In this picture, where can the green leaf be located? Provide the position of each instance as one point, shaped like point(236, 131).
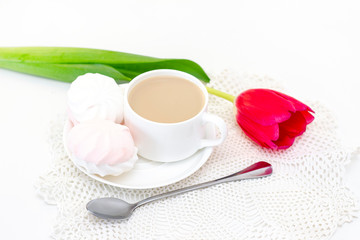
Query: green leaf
point(132, 70)
point(69, 55)
point(64, 72)
point(128, 64)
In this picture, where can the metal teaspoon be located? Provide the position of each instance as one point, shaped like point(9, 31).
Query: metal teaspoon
point(114, 208)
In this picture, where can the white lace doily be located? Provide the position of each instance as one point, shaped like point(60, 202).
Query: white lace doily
point(305, 198)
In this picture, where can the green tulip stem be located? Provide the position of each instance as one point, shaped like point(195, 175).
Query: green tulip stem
point(221, 94)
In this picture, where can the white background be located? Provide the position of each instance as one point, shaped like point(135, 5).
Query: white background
point(310, 46)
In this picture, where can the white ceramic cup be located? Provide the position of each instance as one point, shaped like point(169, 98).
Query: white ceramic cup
point(169, 142)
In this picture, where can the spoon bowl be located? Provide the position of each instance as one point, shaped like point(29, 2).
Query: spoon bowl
point(110, 208)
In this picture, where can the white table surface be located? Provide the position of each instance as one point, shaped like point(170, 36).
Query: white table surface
point(310, 46)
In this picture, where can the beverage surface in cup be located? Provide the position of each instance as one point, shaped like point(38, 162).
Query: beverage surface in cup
point(166, 99)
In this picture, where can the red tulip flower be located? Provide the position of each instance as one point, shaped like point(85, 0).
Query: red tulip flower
point(270, 118)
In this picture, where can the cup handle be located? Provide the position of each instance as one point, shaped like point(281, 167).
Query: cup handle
point(211, 118)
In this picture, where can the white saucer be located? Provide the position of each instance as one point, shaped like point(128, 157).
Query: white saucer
point(151, 174)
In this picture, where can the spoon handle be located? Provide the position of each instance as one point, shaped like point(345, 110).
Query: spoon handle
point(257, 170)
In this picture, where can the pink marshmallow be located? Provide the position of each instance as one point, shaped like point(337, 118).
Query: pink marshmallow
point(101, 142)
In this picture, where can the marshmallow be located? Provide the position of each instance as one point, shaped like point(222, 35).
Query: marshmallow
point(102, 147)
point(95, 96)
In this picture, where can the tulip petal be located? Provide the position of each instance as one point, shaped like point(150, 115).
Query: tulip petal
point(308, 116)
point(270, 132)
point(284, 142)
point(299, 106)
point(272, 146)
point(293, 127)
point(264, 106)
point(260, 134)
